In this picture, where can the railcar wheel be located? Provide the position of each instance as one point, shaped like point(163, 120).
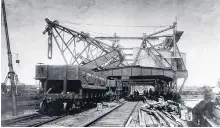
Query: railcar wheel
point(43, 107)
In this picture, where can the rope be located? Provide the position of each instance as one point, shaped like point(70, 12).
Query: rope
point(114, 25)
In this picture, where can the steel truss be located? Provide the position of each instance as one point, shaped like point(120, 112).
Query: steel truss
point(81, 49)
point(154, 51)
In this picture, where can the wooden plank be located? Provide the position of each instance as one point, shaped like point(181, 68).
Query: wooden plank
point(147, 120)
point(140, 118)
point(156, 123)
point(160, 120)
point(176, 119)
point(166, 119)
point(168, 115)
point(211, 122)
point(183, 123)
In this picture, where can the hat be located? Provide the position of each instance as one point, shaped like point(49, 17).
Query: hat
point(209, 95)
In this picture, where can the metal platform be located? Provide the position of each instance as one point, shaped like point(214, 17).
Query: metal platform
point(139, 72)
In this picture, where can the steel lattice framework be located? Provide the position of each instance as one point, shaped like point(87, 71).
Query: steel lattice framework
point(174, 61)
point(82, 49)
point(79, 48)
point(154, 51)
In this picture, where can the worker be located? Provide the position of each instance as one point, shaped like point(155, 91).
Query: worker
point(156, 95)
point(146, 94)
point(110, 96)
point(177, 97)
point(150, 94)
point(203, 108)
point(144, 99)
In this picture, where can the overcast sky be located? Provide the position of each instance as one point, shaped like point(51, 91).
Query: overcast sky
point(199, 19)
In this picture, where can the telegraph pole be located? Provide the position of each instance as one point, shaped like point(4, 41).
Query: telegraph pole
point(11, 70)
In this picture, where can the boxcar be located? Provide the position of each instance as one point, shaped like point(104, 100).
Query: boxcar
point(69, 87)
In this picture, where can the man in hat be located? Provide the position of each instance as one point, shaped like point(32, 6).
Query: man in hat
point(203, 107)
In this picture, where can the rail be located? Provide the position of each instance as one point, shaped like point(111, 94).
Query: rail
point(130, 116)
point(124, 123)
point(95, 120)
point(32, 120)
point(45, 121)
point(19, 118)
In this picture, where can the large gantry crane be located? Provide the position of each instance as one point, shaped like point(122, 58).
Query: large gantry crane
point(82, 49)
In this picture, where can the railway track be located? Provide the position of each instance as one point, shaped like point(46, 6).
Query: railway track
point(32, 120)
point(37, 119)
point(117, 117)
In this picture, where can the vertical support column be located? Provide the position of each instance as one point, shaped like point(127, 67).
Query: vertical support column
point(182, 85)
point(109, 85)
point(117, 89)
point(64, 86)
point(175, 84)
point(65, 80)
point(121, 89)
point(174, 38)
point(156, 89)
point(174, 54)
point(144, 41)
point(45, 86)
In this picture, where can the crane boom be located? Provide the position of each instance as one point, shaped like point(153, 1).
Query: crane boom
point(81, 48)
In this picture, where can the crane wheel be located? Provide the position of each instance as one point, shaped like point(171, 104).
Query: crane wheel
point(43, 107)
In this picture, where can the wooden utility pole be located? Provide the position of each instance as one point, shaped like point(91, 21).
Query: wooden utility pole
point(11, 70)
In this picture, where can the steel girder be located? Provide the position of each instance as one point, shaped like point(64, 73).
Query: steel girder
point(128, 72)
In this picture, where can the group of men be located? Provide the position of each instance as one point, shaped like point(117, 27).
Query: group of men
point(136, 93)
point(203, 108)
point(169, 95)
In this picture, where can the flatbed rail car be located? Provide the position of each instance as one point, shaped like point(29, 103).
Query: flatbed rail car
point(69, 87)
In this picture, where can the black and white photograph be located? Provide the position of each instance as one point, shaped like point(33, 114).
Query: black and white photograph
point(110, 63)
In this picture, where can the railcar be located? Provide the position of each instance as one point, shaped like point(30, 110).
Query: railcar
point(69, 87)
